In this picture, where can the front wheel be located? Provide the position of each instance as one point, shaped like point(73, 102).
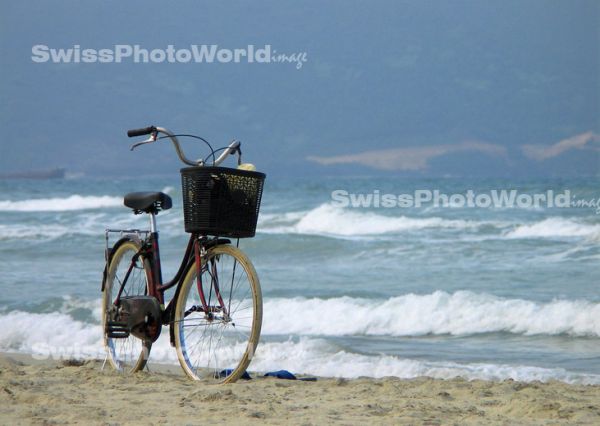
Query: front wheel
point(218, 318)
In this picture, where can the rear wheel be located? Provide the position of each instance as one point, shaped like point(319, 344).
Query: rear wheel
point(216, 344)
point(126, 354)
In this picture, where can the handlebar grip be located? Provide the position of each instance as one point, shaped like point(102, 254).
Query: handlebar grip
point(140, 132)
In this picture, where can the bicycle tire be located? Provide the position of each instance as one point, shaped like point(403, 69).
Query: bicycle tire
point(218, 346)
point(130, 354)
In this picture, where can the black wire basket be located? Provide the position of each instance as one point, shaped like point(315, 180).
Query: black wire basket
point(221, 201)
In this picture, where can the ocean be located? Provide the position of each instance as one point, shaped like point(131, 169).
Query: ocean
point(480, 292)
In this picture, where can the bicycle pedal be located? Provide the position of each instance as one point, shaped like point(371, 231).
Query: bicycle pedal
point(117, 330)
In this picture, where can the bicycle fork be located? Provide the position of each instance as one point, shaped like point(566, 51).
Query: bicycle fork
point(210, 266)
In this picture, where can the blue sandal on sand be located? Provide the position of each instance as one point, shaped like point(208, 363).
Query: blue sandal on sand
point(284, 374)
point(280, 374)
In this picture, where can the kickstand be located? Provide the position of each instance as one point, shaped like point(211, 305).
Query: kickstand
point(104, 363)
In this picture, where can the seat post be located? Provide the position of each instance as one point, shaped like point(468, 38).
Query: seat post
point(153, 227)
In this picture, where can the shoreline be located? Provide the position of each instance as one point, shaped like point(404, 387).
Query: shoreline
point(50, 391)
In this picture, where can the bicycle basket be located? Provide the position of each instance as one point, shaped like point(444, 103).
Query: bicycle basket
point(221, 201)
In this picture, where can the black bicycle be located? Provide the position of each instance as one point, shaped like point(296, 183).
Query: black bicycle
point(215, 315)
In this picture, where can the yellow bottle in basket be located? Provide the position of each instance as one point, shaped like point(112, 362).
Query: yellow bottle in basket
point(247, 166)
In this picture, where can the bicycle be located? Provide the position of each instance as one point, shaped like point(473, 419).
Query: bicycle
point(214, 316)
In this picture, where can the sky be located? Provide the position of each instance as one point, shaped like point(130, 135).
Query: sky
point(435, 88)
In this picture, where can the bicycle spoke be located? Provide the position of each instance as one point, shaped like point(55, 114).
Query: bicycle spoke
point(218, 337)
point(126, 354)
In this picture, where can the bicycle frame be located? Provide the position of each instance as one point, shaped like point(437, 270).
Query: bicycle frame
point(196, 249)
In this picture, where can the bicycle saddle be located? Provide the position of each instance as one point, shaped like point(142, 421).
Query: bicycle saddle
point(148, 202)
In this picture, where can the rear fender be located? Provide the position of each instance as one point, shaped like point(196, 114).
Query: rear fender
point(110, 252)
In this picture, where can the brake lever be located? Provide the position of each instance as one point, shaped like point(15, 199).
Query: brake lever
point(239, 153)
point(151, 139)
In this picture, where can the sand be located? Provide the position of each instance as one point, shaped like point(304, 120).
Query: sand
point(55, 392)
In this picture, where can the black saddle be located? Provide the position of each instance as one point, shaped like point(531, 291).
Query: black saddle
point(148, 202)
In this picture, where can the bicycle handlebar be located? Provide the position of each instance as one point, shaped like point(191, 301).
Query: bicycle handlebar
point(153, 131)
point(140, 132)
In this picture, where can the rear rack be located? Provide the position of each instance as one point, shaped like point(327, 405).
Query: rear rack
point(141, 234)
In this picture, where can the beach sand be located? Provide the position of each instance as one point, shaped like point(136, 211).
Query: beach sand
point(55, 392)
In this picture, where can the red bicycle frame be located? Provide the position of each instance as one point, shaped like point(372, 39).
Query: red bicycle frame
point(196, 248)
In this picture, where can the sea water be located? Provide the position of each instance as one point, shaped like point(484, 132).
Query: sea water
point(443, 291)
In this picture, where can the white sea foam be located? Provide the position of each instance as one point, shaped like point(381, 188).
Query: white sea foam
point(12, 232)
point(58, 336)
point(88, 223)
point(461, 313)
point(320, 358)
point(73, 202)
point(555, 227)
point(327, 219)
point(28, 332)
